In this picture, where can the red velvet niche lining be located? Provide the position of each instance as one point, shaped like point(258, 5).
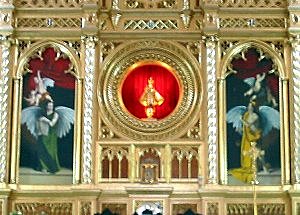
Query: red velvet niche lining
point(164, 82)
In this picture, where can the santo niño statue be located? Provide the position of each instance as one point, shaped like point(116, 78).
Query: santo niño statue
point(150, 98)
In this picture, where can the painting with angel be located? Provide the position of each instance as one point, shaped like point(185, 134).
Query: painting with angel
point(47, 120)
point(253, 117)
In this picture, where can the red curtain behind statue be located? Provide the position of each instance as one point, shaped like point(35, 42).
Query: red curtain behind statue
point(164, 82)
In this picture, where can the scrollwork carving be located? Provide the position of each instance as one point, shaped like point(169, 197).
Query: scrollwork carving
point(296, 78)
point(4, 92)
point(239, 208)
point(211, 109)
point(86, 208)
point(212, 208)
point(195, 132)
point(48, 4)
point(226, 45)
point(44, 208)
point(134, 4)
point(90, 43)
point(253, 3)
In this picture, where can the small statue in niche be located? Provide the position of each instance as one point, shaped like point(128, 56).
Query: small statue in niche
point(150, 99)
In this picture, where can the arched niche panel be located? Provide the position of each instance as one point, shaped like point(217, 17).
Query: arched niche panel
point(252, 111)
point(47, 82)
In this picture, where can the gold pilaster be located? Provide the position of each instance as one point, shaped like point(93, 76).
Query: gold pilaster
point(168, 168)
point(132, 166)
point(222, 127)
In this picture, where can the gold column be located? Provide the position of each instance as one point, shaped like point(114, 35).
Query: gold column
point(16, 116)
point(77, 128)
point(286, 143)
point(222, 135)
point(15, 139)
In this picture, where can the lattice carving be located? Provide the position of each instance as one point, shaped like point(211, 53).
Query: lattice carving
point(212, 208)
point(182, 208)
point(230, 22)
point(113, 159)
point(90, 43)
point(253, 3)
point(4, 91)
point(120, 209)
point(185, 155)
point(48, 3)
point(133, 4)
point(296, 79)
point(44, 208)
point(50, 22)
point(86, 208)
point(211, 110)
point(150, 24)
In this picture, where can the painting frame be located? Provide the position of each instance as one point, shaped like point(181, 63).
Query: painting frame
point(222, 74)
point(20, 69)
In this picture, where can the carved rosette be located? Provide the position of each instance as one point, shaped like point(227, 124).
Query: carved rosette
point(211, 110)
point(4, 106)
point(296, 79)
point(88, 106)
point(111, 78)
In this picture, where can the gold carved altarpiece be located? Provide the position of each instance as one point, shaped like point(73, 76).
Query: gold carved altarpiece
point(104, 40)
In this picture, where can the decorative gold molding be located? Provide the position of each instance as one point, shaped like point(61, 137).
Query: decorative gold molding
point(65, 208)
point(48, 4)
point(253, 3)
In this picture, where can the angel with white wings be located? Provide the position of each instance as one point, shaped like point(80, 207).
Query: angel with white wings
point(252, 125)
point(40, 92)
point(258, 91)
point(46, 125)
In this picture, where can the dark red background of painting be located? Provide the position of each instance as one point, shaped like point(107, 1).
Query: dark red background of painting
point(164, 82)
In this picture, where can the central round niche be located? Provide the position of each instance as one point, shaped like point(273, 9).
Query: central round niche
point(162, 81)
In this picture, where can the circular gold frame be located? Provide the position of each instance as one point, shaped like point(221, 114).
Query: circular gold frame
point(115, 69)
